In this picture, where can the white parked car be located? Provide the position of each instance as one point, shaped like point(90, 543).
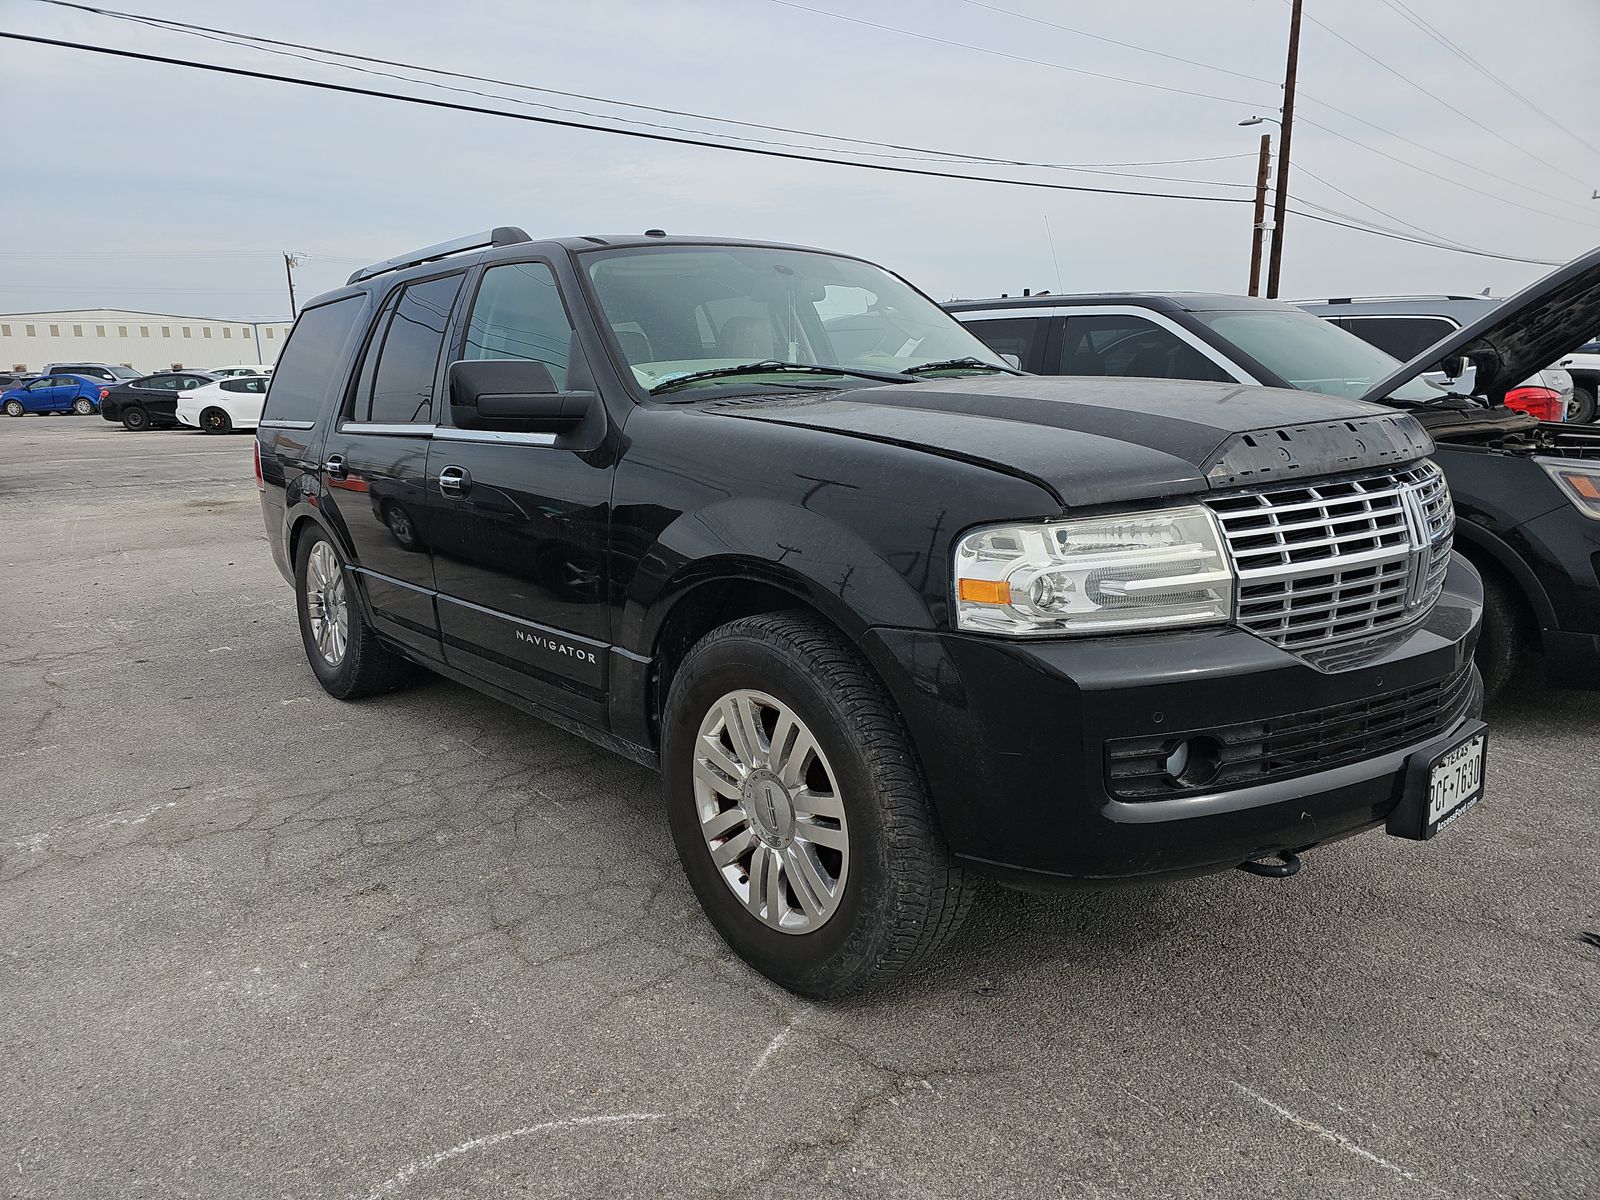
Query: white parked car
point(239, 369)
point(225, 405)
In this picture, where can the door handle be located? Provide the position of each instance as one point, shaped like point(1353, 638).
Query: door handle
point(334, 466)
point(454, 482)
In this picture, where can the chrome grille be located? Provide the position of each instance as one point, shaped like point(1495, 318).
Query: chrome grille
point(1339, 561)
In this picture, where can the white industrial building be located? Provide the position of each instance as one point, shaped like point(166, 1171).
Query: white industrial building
point(147, 342)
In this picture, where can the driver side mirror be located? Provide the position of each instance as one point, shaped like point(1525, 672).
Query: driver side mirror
point(519, 393)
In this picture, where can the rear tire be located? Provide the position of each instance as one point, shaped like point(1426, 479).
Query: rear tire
point(14, 408)
point(345, 654)
point(849, 821)
point(82, 407)
point(1500, 644)
point(1580, 409)
point(135, 419)
point(214, 420)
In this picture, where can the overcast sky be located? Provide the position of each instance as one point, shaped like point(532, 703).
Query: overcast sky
point(144, 186)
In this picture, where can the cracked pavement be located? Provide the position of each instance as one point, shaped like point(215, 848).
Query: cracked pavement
point(258, 943)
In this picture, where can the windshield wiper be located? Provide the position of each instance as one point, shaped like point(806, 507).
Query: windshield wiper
point(769, 366)
point(950, 364)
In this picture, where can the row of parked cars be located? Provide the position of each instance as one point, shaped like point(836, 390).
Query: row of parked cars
point(217, 401)
point(887, 610)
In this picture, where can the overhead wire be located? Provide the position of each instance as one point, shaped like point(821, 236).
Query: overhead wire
point(1476, 168)
point(1435, 96)
point(1493, 77)
point(429, 102)
point(258, 41)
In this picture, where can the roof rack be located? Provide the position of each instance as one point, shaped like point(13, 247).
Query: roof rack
point(1382, 299)
point(500, 235)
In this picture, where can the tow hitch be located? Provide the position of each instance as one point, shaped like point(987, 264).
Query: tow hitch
point(1287, 864)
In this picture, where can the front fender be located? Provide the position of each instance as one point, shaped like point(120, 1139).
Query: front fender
point(816, 558)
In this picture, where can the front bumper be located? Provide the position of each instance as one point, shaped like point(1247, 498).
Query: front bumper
point(1013, 741)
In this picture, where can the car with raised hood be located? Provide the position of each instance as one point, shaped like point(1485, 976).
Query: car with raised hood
point(151, 401)
point(1405, 326)
point(885, 613)
point(1527, 492)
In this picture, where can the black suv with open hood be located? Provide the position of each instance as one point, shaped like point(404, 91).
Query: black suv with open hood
point(1527, 494)
point(884, 612)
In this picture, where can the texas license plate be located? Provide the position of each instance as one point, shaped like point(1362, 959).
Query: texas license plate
point(1441, 785)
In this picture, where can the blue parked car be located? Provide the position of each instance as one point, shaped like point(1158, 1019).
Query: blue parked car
point(54, 394)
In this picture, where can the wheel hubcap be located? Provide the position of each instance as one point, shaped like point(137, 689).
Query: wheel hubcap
point(770, 812)
point(326, 605)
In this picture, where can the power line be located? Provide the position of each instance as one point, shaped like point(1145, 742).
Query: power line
point(1036, 62)
point(562, 123)
point(1498, 80)
point(1413, 84)
point(1476, 168)
point(1301, 169)
point(258, 42)
point(455, 106)
point(1205, 66)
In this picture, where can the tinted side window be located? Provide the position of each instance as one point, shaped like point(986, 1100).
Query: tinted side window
point(311, 360)
point(243, 384)
point(1126, 345)
point(1017, 336)
point(408, 357)
point(518, 314)
point(162, 383)
point(1403, 337)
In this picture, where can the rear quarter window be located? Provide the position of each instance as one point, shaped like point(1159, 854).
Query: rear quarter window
point(312, 364)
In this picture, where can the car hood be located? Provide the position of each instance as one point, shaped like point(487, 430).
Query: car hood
point(1519, 336)
point(1100, 441)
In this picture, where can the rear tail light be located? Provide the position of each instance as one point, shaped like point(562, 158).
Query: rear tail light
point(261, 484)
point(104, 392)
point(1542, 402)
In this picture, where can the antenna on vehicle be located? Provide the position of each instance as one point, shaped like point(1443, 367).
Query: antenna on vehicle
point(1060, 287)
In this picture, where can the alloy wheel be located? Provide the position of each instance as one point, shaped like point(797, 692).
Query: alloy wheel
point(770, 812)
point(326, 604)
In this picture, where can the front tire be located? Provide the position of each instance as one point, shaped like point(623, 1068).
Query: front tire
point(1500, 643)
point(82, 407)
point(1580, 409)
point(135, 419)
point(799, 812)
point(345, 654)
point(214, 420)
point(14, 408)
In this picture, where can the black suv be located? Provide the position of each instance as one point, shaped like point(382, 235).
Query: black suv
point(884, 612)
point(151, 402)
point(1527, 493)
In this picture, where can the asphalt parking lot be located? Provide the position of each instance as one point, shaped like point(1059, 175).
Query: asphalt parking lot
point(255, 942)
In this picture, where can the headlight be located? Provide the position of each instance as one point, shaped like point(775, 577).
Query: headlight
point(1125, 571)
point(1579, 480)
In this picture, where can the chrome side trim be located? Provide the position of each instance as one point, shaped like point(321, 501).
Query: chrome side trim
point(494, 436)
point(393, 430)
point(288, 424)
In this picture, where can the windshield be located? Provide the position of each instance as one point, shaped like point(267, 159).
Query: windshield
point(125, 372)
point(1312, 354)
point(678, 310)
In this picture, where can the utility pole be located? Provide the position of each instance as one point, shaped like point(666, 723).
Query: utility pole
point(291, 261)
point(1280, 201)
point(1259, 230)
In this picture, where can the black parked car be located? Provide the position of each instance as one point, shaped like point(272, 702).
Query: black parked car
point(151, 402)
point(883, 611)
point(1527, 493)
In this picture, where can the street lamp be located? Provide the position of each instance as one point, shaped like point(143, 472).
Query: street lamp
point(1258, 120)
